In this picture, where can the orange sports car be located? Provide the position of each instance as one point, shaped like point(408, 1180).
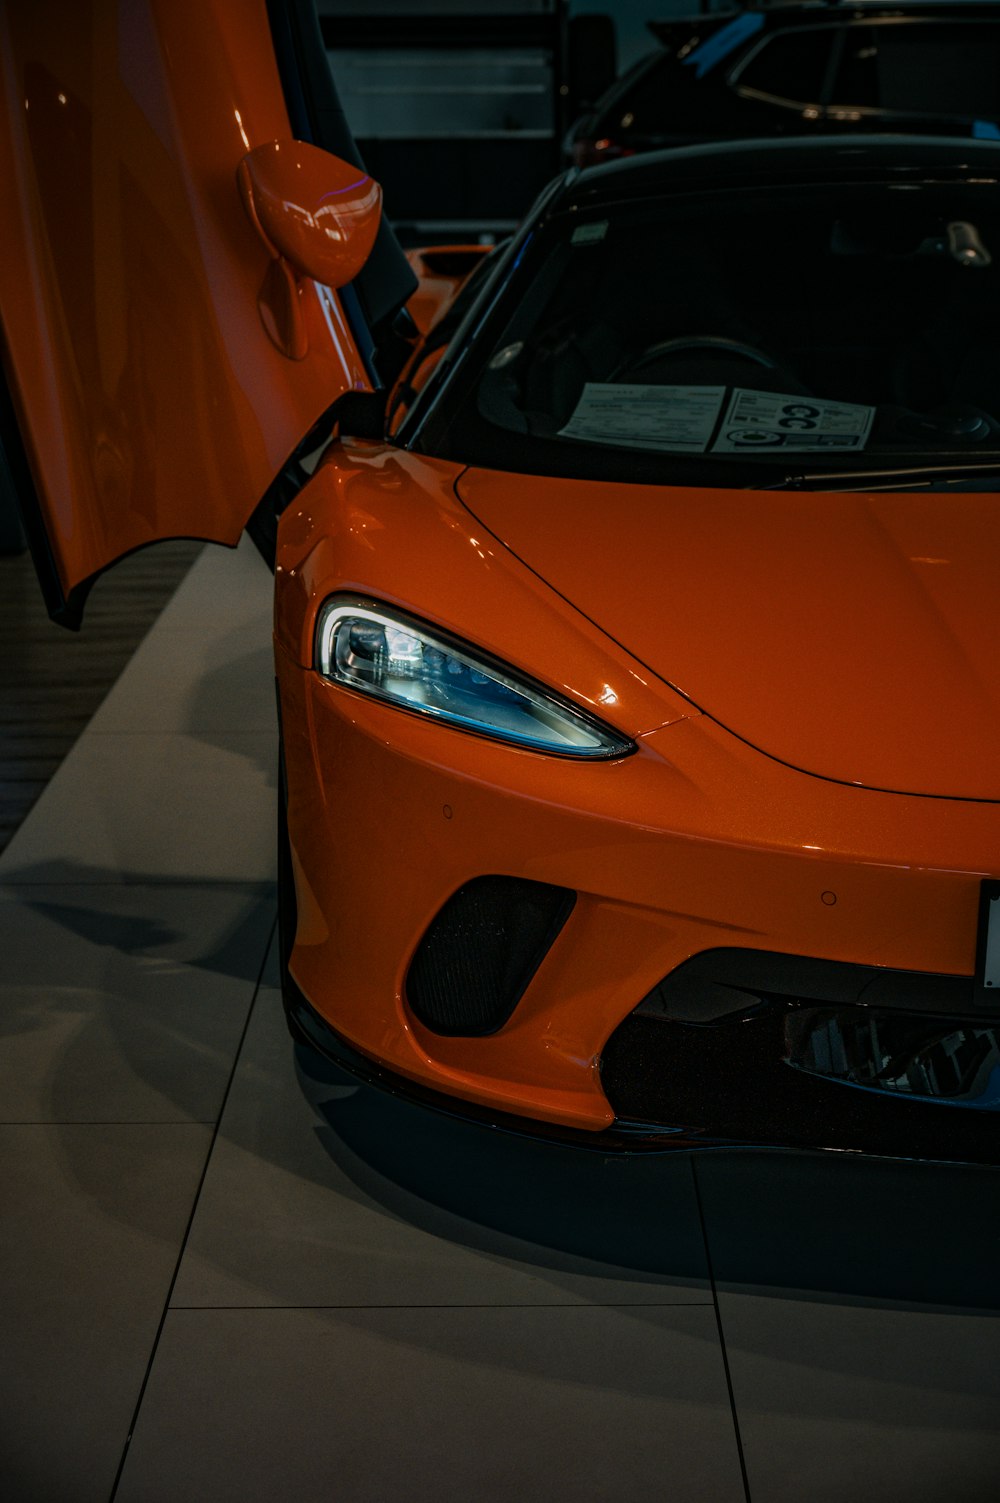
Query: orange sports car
point(635, 589)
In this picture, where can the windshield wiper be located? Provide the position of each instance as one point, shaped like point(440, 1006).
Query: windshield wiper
point(896, 479)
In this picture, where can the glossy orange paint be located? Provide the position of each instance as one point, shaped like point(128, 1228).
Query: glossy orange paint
point(846, 634)
point(318, 212)
point(379, 521)
point(696, 840)
point(150, 399)
point(437, 288)
point(316, 217)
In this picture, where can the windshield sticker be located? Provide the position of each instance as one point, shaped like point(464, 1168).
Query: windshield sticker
point(589, 234)
point(800, 425)
point(676, 419)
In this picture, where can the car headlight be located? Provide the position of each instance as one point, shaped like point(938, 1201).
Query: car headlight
point(383, 653)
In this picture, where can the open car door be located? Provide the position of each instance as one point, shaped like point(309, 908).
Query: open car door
point(170, 332)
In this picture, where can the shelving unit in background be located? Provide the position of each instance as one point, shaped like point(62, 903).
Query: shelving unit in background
point(459, 112)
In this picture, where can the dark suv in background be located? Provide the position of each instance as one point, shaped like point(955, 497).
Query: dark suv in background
point(792, 69)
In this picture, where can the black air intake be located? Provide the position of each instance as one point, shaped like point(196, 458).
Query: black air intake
point(473, 965)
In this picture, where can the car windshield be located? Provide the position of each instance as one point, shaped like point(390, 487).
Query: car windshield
point(729, 339)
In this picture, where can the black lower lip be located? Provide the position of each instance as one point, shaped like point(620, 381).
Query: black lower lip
point(772, 1079)
point(692, 1087)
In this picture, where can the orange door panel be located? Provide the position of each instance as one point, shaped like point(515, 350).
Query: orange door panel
point(149, 399)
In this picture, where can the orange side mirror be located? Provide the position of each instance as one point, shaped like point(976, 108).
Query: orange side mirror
point(317, 216)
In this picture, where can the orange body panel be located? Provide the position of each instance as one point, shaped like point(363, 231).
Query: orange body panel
point(845, 634)
point(151, 401)
point(319, 212)
point(376, 520)
point(697, 840)
point(316, 216)
point(437, 289)
point(811, 694)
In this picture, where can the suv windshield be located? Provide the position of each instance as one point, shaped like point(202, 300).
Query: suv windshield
point(731, 338)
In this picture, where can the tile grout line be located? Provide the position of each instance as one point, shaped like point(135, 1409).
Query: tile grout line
point(675, 1304)
point(17, 892)
point(193, 1212)
point(722, 1338)
point(191, 732)
point(13, 892)
point(114, 1122)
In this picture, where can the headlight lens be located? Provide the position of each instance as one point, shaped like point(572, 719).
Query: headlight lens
point(365, 646)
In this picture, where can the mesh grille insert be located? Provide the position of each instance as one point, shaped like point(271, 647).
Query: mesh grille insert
point(475, 962)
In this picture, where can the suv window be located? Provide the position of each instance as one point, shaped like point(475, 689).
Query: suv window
point(669, 101)
point(921, 68)
point(789, 68)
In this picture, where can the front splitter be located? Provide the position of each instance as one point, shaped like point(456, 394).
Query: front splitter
point(812, 1121)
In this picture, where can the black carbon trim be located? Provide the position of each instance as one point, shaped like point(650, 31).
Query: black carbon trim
point(717, 984)
point(732, 1080)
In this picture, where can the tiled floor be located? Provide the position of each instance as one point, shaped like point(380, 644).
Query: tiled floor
point(52, 680)
point(228, 1272)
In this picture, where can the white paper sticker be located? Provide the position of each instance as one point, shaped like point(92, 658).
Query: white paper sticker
point(676, 419)
point(767, 420)
point(589, 234)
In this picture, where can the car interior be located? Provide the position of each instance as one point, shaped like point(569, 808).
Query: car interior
point(773, 297)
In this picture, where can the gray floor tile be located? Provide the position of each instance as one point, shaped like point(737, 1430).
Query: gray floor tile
point(124, 1003)
point(195, 682)
point(93, 1219)
point(323, 1192)
point(436, 1406)
point(859, 1307)
point(135, 808)
point(840, 1401)
point(228, 589)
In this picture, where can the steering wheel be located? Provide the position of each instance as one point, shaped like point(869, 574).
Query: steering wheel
point(685, 344)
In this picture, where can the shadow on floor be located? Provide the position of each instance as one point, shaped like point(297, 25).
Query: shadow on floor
point(633, 1214)
point(832, 1226)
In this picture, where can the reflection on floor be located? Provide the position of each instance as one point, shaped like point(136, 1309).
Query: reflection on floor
point(228, 1272)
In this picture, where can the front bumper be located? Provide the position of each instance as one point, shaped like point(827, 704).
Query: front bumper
point(741, 1096)
point(694, 843)
point(315, 1032)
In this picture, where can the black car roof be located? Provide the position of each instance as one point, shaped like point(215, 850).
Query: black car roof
point(777, 15)
point(784, 12)
point(719, 164)
point(891, 7)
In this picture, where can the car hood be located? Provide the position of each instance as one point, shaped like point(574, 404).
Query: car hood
point(851, 636)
